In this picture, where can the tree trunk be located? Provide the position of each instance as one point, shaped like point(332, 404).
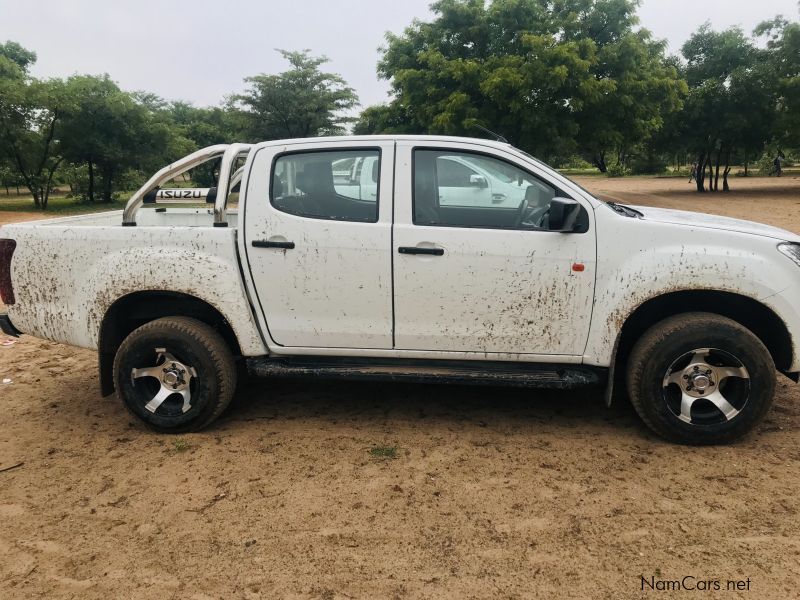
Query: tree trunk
point(599, 160)
point(622, 157)
point(716, 174)
point(745, 162)
point(710, 164)
point(49, 185)
point(725, 186)
point(700, 172)
point(91, 181)
point(32, 178)
point(107, 185)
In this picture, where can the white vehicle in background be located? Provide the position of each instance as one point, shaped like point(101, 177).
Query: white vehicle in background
point(434, 259)
point(357, 177)
point(463, 181)
point(481, 181)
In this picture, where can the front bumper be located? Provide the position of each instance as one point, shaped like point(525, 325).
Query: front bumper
point(7, 326)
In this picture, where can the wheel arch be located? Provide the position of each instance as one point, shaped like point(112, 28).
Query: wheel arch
point(135, 309)
point(750, 313)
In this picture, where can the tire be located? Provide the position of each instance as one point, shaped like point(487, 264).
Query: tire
point(682, 403)
point(175, 374)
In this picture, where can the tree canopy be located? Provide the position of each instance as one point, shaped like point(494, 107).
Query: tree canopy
point(301, 102)
point(112, 133)
point(30, 118)
point(553, 78)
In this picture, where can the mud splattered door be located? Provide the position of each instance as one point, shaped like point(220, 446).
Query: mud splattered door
point(319, 246)
point(489, 278)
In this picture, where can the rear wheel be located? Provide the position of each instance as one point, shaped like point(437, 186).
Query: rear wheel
point(700, 378)
point(176, 374)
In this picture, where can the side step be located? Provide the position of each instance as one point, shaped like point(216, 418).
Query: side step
point(531, 375)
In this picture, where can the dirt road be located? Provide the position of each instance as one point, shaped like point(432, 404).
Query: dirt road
point(297, 493)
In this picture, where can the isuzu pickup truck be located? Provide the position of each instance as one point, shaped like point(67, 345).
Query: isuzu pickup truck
point(342, 260)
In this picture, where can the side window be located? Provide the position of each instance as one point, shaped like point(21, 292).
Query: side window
point(461, 189)
point(327, 185)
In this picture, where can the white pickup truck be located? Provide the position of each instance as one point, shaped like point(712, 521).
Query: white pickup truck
point(316, 275)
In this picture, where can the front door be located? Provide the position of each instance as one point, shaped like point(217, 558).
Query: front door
point(486, 277)
point(319, 250)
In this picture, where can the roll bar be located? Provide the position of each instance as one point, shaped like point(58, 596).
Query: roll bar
point(229, 153)
point(233, 152)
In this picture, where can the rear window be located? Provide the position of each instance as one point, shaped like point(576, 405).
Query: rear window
point(341, 186)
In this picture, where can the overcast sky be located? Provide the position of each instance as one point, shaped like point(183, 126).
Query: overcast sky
point(200, 50)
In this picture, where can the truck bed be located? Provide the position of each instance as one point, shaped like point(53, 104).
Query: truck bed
point(69, 271)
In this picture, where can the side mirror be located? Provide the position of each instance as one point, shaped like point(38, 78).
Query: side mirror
point(563, 215)
point(478, 181)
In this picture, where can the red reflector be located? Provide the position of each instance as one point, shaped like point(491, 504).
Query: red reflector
point(578, 267)
point(6, 289)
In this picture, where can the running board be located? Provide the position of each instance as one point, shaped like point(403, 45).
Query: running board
point(530, 375)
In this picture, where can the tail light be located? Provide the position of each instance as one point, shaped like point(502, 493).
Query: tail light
point(6, 289)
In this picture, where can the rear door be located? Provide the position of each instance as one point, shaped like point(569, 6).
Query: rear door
point(318, 249)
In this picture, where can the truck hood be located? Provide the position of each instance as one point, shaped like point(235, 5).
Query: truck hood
point(693, 219)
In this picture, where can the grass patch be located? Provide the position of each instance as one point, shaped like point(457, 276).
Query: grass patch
point(181, 445)
point(586, 172)
point(383, 452)
point(58, 205)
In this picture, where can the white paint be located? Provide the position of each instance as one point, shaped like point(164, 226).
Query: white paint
point(666, 251)
point(333, 294)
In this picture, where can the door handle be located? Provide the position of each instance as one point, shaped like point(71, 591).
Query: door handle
point(418, 250)
point(269, 244)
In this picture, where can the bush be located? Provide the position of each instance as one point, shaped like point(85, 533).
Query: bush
point(649, 165)
point(765, 165)
point(617, 170)
point(77, 178)
point(572, 162)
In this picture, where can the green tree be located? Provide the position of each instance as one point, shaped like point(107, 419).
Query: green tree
point(204, 127)
point(383, 118)
point(30, 116)
point(553, 78)
point(641, 89)
point(12, 52)
point(86, 131)
point(8, 176)
point(783, 52)
point(113, 132)
point(732, 101)
point(301, 102)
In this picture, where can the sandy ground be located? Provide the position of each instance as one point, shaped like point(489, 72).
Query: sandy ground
point(493, 493)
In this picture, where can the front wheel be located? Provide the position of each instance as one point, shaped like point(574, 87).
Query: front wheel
point(700, 378)
point(176, 374)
